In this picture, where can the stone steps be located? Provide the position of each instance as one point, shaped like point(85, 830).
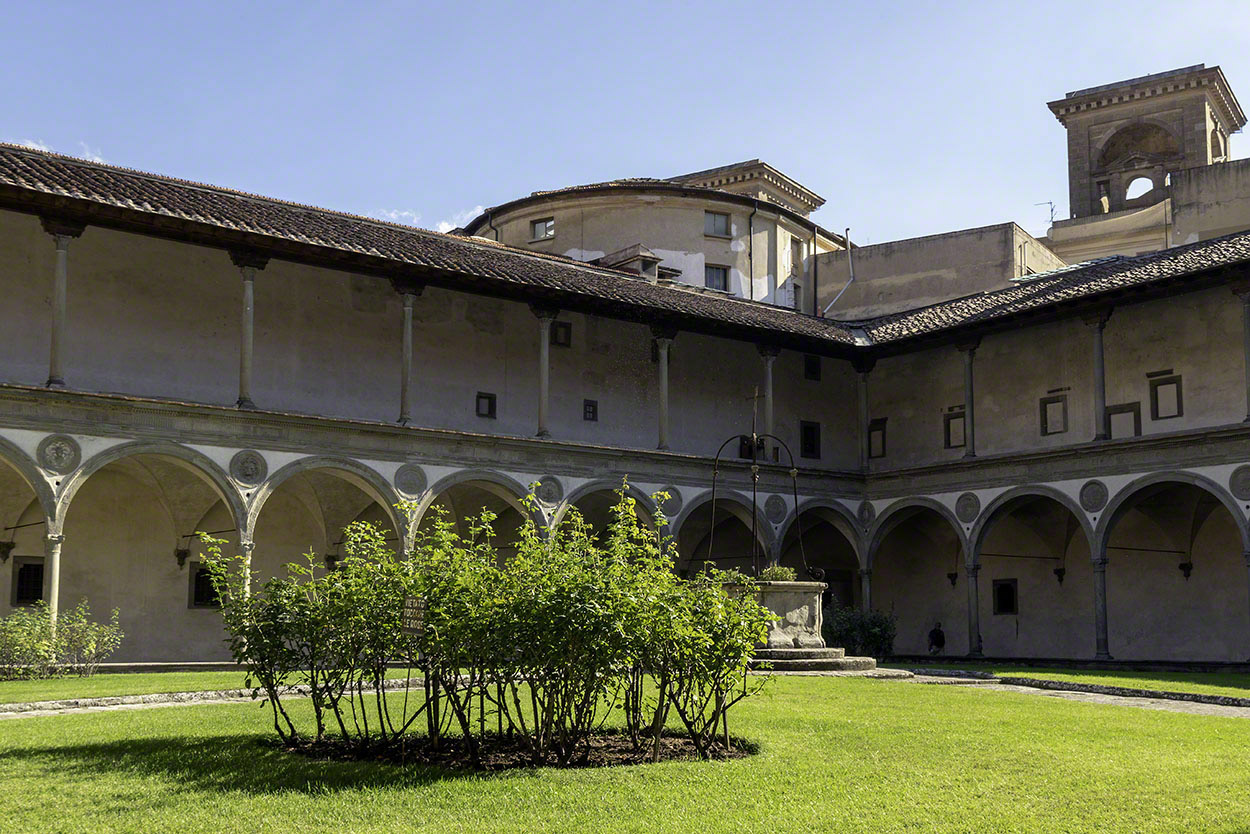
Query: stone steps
point(796, 654)
point(810, 660)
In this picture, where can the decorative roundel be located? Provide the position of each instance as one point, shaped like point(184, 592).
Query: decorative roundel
point(672, 505)
point(410, 479)
point(549, 490)
point(1093, 494)
point(775, 509)
point(248, 467)
point(867, 514)
point(1239, 483)
point(59, 453)
point(967, 507)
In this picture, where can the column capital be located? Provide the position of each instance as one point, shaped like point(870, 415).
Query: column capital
point(865, 572)
point(863, 364)
point(769, 352)
point(1246, 555)
point(54, 539)
point(544, 312)
point(248, 259)
point(1241, 289)
point(1100, 563)
point(968, 346)
point(247, 545)
point(407, 286)
point(60, 228)
point(663, 331)
point(1097, 318)
point(972, 569)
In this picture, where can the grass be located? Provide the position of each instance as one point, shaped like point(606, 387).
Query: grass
point(847, 755)
point(1235, 684)
point(106, 685)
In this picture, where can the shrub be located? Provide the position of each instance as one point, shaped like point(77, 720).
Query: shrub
point(861, 633)
point(778, 573)
point(31, 648)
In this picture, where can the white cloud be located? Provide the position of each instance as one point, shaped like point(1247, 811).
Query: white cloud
point(89, 153)
point(32, 143)
point(405, 216)
point(458, 219)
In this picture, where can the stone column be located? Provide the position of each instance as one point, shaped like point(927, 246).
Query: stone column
point(409, 293)
point(769, 355)
point(1242, 290)
point(974, 611)
point(545, 315)
point(865, 589)
point(62, 232)
point(863, 368)
point(1098, 323)
point(969, 350)
point(246, 546)
point(248, 263)
point(663, 341)
point(52, 556)
point(1101, 646)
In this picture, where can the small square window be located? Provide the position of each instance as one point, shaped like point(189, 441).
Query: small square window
point(1053, 412)
point(716, 277)
point(1124, 420)
point(485, 405)
point(203, 595)
point(811, 367)
point(876, 438)
point(1006, 600)
point(1165, 397)
point(744, 447)
point(953, 424)
point(27, 580)
point(543, 229)
point(590, 410)
point(562, 334)
point(809, 439)
point(715, 224)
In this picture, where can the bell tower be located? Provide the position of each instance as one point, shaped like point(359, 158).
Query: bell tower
point(1124, 139)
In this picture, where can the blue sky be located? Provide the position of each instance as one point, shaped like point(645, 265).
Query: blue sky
point(910, 118)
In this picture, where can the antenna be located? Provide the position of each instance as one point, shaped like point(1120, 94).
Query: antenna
point(1050, 203)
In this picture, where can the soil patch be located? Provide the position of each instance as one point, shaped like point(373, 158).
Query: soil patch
point(498, 753)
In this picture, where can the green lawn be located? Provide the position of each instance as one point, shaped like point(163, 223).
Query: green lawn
point(104, 685)
point(1236, 684)
point(836, 755)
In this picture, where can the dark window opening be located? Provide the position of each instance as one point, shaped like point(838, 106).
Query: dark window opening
point(590, 410)
point(744, 448)
point(953, 427)
point(716, 277)
point(811, 367)
point(485, 405)
point(809, 439)
point(1165, 398)
point(203, 595)
point(876, 438)
point(1006, 600)
point(1054, 414)
point(562, 334)
point(27, 580)
point(1124, 420)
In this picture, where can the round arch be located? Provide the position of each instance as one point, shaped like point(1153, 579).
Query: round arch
point(26, 469)
point(1013, 496)
point(1122, 501)
point(502, 486)
point(603, 485)
point(1146, 134)
point(194, 462)
point(836, 514)
point(739, 505)
point(352, 471)
point(900, 511)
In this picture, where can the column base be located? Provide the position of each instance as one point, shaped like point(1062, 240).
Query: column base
point(245, 404)
point(55, 382)
point(543, 433)
point(1103, 656)
point(403, 421)
point(663, 447)
point(970, 454)
point(977, 653)
point(1101, 436)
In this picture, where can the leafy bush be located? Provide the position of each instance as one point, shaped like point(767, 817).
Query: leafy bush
point(861, 633)
point(31, 648)
point(541, 647)
point(778, 573)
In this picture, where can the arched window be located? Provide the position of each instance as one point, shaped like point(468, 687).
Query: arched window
point(1217, 144)
point(1138, 187)
point(1146, 140)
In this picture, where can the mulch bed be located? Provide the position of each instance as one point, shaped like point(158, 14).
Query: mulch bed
point(498, 753)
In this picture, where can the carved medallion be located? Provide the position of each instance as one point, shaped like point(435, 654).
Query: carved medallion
point(410, 479)
point(775, 509)
point(59, 453)
point(549, 490)
point(1093, 495)
point(248, 467)
point(867, 514)
point(671, 505)
point(1239, 483)
point(967, 507)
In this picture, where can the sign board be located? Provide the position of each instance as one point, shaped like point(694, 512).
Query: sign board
point(412, 622)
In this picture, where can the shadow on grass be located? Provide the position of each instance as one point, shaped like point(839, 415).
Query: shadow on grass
point(248, 764)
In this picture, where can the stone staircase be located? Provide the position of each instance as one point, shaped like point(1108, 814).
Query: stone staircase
point(810, 660)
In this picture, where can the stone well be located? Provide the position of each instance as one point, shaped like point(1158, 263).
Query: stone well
point(797, 604)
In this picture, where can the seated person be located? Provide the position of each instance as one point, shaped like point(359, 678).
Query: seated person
point(937, 639)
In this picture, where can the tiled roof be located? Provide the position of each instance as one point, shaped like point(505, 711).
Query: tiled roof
point(32, 180)
point(546, 277)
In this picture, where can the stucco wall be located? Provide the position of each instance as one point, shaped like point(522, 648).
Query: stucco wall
point(1210, 201)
